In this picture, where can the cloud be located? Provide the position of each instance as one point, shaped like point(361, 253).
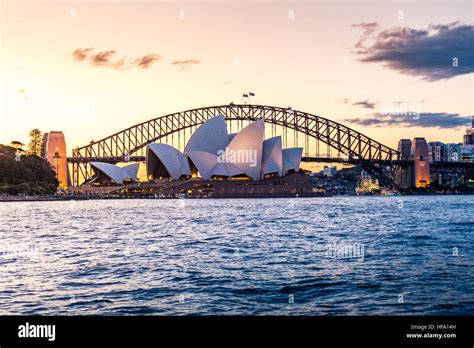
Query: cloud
point(365, 104)
point(146, 61)
point(81, 53)
point(186, 63)
point(425, 120)
point(102, 58)
point(109, 59)
point(368, 29)
point(441, 51)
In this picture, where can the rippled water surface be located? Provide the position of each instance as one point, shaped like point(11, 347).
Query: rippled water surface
point(298, 256)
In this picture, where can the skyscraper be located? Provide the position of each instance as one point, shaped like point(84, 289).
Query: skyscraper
point(467, 150)
point(437, 151)
point(453, 152)
point(55, 152)
point(469, 137)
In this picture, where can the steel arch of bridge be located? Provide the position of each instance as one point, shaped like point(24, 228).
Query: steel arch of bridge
point(122, 145)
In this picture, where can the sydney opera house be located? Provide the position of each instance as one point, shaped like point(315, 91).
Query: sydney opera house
point(214, 163)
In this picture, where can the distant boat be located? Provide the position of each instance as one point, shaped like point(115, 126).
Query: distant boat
point(388, 192)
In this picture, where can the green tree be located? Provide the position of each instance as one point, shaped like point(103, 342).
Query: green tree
point(18, 146)
point(30, 175)
point(36, 139)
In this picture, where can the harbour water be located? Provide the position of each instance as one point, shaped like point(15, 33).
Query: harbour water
point(405, 255)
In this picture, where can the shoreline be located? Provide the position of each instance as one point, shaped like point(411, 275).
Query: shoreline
point(55, 198)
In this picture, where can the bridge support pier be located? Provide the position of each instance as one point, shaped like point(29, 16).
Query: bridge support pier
point(404, 175)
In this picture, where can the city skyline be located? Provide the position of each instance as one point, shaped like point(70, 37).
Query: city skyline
point(64, 69)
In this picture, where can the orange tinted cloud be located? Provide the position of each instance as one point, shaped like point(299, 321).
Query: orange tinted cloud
point(186, 63)
point(81, 53)
point(109, 59)
point(146, 61)
point(102, 58)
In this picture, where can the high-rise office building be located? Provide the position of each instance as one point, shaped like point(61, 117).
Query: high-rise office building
point(469, 137)
point(452, 152)
point(437, 151)
point(467, 153)
point(467, 150)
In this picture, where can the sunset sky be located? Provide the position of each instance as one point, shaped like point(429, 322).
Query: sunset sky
point(93, 68)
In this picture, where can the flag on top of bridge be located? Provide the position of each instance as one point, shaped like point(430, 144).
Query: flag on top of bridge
point(245, 95)
point(251, 94)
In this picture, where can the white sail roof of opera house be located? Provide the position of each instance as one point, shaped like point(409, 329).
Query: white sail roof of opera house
point(115, 173)
point(210, 137)
point(208, 165)
point(272, 161)
point(245, 149)
point(131, 171)
point(292, 158)
point(205, 162)
point(231, 136)
point(227, 169)
point(212, 151)
point(175, 162)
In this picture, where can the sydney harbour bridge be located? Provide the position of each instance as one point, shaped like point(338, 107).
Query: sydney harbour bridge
point(323, 140)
